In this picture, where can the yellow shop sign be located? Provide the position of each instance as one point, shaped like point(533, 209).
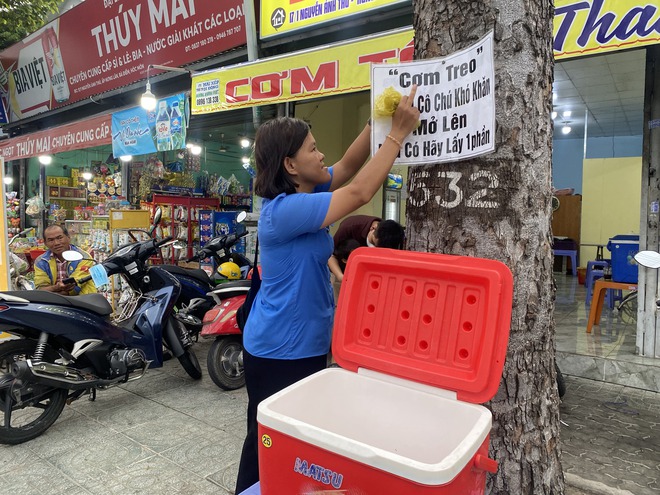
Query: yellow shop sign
point(587, 27)
point(328, 70)
point(281, 17)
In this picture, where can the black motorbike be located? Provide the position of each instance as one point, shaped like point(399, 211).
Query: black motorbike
point(195, 298)
point(65, 347)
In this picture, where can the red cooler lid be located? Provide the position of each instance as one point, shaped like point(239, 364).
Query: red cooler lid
point(436, 319)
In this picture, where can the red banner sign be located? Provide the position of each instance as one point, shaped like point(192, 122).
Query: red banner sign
point(79, 135)
point(101, 45)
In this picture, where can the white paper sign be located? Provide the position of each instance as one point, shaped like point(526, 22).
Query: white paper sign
point(456, 98)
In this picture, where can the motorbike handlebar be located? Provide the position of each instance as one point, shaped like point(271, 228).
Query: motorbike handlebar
point(163, 241)
point(84, 280)
point(230, 240)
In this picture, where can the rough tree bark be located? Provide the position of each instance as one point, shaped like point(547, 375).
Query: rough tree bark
point(514, 228)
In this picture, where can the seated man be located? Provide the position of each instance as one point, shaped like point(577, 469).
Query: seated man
point(51, 269)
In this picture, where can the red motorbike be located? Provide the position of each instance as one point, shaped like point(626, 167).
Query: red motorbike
point(225, 358)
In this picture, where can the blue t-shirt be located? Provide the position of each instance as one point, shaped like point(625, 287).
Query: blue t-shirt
point(292, 315)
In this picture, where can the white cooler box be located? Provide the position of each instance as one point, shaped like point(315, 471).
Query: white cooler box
point(421, 339)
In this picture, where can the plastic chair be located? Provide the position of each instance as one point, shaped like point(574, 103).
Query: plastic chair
point(572, 254)
point(611, 295)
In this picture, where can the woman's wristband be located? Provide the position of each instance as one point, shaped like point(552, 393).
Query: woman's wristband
point(394, 140)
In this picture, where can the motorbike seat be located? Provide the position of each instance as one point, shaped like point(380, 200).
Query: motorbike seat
point(90, 302)
point(196, 273)
point(231, 289)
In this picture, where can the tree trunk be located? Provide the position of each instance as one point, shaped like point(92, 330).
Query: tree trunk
point(510, 222)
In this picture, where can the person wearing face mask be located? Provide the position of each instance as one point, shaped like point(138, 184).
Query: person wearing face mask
point(51, 270)
point(287, 334)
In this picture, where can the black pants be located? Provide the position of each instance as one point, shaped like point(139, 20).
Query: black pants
point(263, 378)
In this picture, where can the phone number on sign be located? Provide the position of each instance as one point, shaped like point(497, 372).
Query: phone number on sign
point(207, 100)
point(211, 39)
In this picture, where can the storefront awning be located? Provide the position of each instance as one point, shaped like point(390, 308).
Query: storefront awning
point(95, 131)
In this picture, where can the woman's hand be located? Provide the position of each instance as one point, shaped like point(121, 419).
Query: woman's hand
point(406, 117)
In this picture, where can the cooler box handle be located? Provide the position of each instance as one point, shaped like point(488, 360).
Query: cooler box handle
point(485, 463)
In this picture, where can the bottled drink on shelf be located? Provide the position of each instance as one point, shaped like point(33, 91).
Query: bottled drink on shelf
point(163, 130)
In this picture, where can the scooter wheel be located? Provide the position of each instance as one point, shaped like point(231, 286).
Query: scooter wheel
point(189, 362)
point(27, 408)
point(225, 362)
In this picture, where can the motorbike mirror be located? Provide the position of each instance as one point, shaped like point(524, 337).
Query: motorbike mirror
point(242, 215)
point(158, 214)
point(649, 259)
point(72, 256)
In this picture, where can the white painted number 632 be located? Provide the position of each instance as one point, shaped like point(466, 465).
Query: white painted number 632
point(474, 201)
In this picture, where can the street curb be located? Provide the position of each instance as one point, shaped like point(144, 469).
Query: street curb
point(592, 487)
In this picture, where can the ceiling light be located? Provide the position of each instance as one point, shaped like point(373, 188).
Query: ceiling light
point(245, 142)
point(222, 149)
point(87, 176)
point(148, 100)
point(554, 115)
point(195, 149)
point(8, 180)
point(45, 159)
point(126, 158)
point(567, 113)
point(566, 129)
point(245, 159)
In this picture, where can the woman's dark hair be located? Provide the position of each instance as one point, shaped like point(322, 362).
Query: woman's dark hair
point(275, 140)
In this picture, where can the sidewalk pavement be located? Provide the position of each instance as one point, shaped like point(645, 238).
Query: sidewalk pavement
point(610, 438)
point(166, 433)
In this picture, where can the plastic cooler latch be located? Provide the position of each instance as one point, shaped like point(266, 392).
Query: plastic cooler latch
point(485, 463)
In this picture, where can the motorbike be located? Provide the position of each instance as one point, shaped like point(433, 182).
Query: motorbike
point(194, 301)
point(225, 357)
point(224, 361)
point(65, 347)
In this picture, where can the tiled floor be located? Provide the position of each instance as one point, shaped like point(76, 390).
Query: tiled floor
point(162, 434)
point(608, 353)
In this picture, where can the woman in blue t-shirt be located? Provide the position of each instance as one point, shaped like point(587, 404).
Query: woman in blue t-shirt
point(287, 335)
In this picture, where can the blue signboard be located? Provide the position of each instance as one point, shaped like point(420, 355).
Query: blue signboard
point(137, 131)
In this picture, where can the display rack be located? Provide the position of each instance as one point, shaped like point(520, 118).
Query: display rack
point(65, 193)
point(236, 202)
point(79, 232)
point(180, 214)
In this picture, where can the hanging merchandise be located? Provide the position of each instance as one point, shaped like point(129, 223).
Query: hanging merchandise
point(34, 206)
point(13, 206)
point(153, 172)
point(193, 163)
point(235, 187)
